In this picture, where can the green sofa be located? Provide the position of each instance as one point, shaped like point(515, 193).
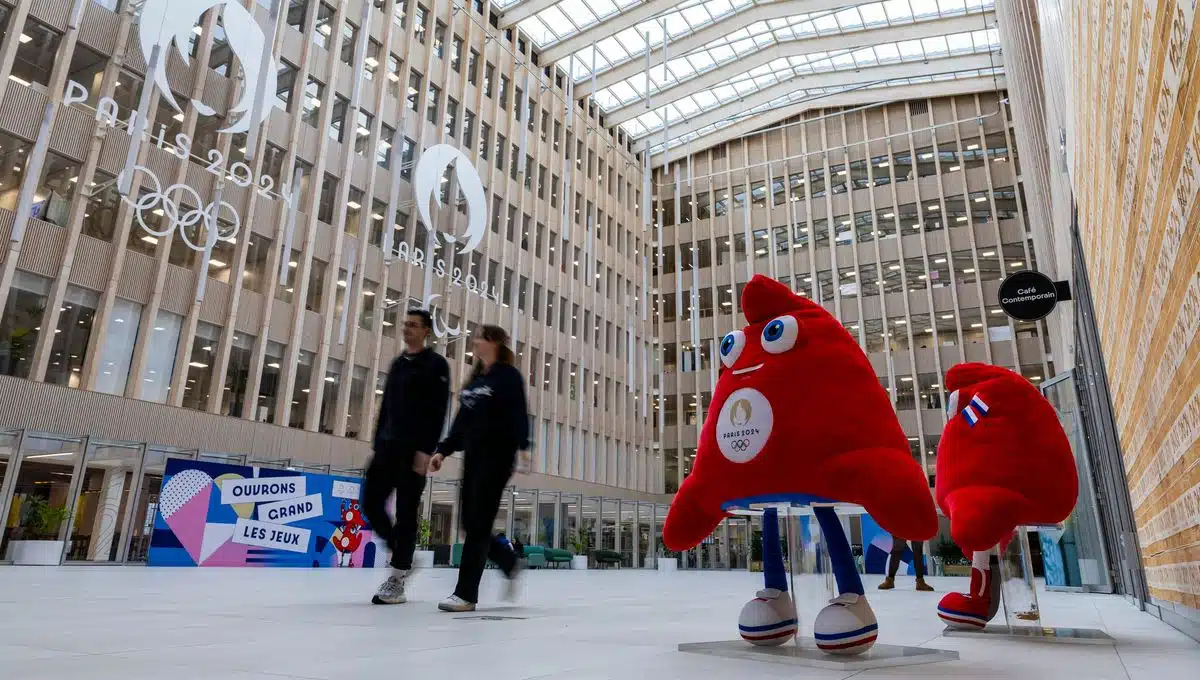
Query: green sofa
point(607, 558)
point(541, 556)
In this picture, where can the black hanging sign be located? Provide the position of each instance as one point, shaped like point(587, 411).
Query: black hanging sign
point(1028, 295)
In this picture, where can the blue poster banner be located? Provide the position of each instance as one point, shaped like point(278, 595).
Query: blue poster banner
point(222, 515)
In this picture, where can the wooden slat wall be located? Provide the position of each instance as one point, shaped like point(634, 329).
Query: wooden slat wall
point(1136, 171)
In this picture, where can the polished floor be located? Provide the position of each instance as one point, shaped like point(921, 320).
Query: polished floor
point(243, 624)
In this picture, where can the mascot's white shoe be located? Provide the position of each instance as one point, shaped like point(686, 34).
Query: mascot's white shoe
point(769, 620)
point(847, 626)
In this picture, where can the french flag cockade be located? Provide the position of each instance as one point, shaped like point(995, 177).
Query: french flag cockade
point(975, 410)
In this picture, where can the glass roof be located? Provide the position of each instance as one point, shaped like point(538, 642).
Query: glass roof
point(618, 41)
point(819, 92)
point(787, 68)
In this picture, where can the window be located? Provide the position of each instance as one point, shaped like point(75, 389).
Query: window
point(264, 409)
point(35, 57)
point(439, 40)
point(324, 16)
point(489, 76)
point(237, 376)
point(431, 104)
point(383, 146)
point(485, 140)
point(378, 213)
point(504, 92)
point(354, 201)
point(337, 118)
point(468, 129)
point(300, 391)
point(371, 61)
point(328, 195)
point(451, 127)
point(160, 357)
point(286, 83)
point(362, 132)
point(393, 75)
point(296, 12)
point(420, 23)
point(415, 81)
point(21, 323)
point(472, 63)
point(314, 93)
point(501, 146)
point(349, 42)
point(406, 158)
point(200, 366)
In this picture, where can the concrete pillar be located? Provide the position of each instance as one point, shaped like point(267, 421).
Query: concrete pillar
point(108, 515)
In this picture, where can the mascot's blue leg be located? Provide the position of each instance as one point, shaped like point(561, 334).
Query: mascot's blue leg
point(840, 556)
point(773, 572)
point(847, 626)
point(770, 618)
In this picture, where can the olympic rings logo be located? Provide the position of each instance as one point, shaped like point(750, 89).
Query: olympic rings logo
point(166, 205)
point(740, 445)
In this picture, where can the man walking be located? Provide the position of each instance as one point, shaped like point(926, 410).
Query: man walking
point(411, 415)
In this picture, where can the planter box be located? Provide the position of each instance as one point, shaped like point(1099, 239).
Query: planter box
point(423, 559)
point(579, 562)
point(957, 570)
point(36, 553)
point(668, 564)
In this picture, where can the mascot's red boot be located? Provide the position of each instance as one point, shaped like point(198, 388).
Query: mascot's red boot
point(798, 416)
point(1003, 461)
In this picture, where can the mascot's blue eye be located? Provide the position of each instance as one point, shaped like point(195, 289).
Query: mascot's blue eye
point(731, 348)
point(780, 334)
point(773, 331)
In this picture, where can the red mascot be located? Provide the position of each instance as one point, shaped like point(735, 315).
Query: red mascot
point(798, 416)
point(1003, 461)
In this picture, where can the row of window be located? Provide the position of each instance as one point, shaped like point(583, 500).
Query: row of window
point(868, 280)
point(21, 324)
point(864, 226)
point(837, 179)
point(897, 333)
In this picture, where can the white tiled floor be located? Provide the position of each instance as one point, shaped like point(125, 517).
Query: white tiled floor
point(245, 624)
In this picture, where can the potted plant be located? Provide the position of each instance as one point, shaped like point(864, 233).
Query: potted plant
point(423, 557)
point(579, 546)
point(668, 560)
point(954, 562)
point(39, 544)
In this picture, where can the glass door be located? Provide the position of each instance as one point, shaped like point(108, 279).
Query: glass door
point(145, 504)
point(44, 481)
point(102, 505)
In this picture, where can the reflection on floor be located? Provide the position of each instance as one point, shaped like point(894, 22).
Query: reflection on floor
point(239, 624)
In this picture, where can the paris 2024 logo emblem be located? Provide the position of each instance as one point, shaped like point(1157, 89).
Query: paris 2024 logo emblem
point(744, 424)
point(164, 23)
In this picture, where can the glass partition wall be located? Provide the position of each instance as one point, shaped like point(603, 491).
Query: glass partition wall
point(101, 499)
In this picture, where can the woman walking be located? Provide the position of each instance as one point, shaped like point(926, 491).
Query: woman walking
point(491, 426)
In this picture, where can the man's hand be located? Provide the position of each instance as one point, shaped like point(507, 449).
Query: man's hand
point(421, 463)
point(435, 462)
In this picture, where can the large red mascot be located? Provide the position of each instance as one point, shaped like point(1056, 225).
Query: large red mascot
point(1003, 461)
point(799, 416)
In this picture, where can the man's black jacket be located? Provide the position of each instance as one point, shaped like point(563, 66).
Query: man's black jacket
point(415, 399)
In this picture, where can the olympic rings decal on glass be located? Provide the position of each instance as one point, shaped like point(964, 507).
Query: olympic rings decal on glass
point(174, 216)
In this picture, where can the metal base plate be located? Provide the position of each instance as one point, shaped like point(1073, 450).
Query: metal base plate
point(879, 656)
point(1079, 636)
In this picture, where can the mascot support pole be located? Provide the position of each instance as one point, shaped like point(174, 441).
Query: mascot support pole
point(844, 570)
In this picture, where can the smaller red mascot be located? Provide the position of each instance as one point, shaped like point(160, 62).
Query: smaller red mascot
point(348, 537)
point(1003, 462)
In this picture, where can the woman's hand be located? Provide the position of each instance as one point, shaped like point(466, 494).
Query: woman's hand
point(435, 462)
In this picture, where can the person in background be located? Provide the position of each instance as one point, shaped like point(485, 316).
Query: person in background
point(491, 427)
point(412, 413)
point(898, 546)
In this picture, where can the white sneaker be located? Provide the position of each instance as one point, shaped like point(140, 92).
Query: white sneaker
point(455, 603)
point(391, 591)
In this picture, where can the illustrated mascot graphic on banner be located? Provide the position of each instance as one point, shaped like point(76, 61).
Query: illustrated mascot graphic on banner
point(798, 416)
point(1003, 461)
